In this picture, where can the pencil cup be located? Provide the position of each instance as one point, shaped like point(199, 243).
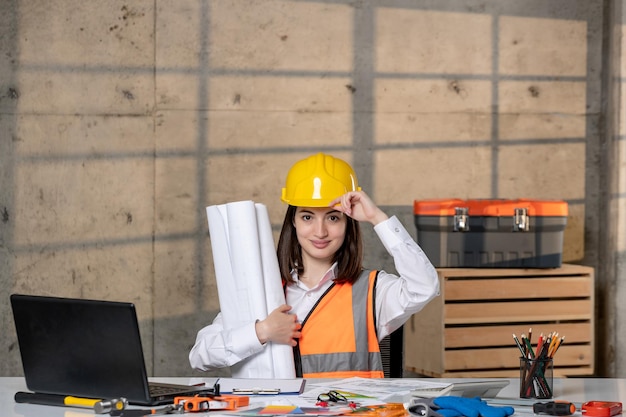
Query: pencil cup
point(535, 377)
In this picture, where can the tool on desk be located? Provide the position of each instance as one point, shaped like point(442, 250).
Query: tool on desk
point(168, 409)
point(199, 403)
point(54, 399)
point(106, 406)
point(554, 408)
point(601, 408)
point(422, 409)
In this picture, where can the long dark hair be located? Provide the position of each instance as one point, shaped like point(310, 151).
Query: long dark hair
point(349, 257)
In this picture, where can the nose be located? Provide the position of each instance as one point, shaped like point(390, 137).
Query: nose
point(320, 228)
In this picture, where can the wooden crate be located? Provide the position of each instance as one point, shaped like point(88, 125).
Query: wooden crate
point(468, 330)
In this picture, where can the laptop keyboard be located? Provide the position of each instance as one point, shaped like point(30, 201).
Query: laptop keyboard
point(157, 390)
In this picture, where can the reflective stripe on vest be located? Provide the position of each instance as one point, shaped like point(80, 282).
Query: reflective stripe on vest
point(338, 341)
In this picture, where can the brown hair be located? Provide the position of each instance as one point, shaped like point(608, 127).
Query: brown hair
point(349, 257)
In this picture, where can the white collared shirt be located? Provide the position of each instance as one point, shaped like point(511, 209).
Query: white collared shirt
point(398, 297)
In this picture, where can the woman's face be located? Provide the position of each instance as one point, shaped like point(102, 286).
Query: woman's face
point(320, 231)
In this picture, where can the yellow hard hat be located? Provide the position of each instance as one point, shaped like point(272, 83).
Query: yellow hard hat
point(317, 180)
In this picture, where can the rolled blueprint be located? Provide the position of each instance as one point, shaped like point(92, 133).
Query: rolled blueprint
point(248, 280)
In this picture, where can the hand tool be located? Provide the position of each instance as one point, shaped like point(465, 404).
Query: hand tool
point(601, 408)
point(554, 408)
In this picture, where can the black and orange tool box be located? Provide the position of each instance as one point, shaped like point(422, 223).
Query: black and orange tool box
point(488, 233)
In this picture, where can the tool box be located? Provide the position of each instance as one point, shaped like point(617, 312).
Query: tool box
point(487, 233)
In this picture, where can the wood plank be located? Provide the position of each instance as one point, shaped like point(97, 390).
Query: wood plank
point(567, 355)
point(506, 373)
point(519, 311)
point(564, 270)
point(480, 336)
point(518, 288)
point(429, 346)
point(423, 343)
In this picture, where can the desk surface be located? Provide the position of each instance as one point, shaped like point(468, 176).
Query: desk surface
point(577, 390)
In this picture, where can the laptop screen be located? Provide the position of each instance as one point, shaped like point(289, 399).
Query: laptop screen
point(80, 347)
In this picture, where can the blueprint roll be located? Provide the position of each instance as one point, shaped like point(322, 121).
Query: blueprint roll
point(282, 355)
point(248, 280)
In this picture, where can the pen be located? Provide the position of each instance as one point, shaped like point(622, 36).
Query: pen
point(54, 399)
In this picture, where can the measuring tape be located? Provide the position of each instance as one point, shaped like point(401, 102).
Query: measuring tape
point(222, 402)
point(601, 408)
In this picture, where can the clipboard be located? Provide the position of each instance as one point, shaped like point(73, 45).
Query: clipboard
point(258, 386)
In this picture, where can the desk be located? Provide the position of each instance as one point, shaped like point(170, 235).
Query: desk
point(577, 390)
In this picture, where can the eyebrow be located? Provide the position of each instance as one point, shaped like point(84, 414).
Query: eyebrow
point(331, 211)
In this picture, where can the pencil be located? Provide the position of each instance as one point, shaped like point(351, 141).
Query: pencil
point(519, 345)
point(555, 337)
point(556, 346)
point(539, 344)
point(529, 348)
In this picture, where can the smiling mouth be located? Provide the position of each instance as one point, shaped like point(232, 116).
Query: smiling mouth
point(320, 244)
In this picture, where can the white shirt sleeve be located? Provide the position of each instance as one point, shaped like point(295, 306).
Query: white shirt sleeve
point(399, 297)
point(217, 347)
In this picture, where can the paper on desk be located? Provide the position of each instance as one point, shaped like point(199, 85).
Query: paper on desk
point(248, 280)
point(380, 388)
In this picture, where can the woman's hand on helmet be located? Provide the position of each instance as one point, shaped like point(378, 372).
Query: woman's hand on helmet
point(279, 327)
point(360, 207)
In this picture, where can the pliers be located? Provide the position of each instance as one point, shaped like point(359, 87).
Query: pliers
point(422, 409)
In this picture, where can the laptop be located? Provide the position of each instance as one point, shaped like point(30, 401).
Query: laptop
point(86, 348)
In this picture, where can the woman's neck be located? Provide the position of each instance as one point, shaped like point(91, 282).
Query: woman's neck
point(314, 272)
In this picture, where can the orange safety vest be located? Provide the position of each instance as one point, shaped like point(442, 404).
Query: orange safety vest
point(338, 341)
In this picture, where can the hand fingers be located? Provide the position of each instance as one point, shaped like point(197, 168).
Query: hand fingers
point(284, 308)
point(344, 203)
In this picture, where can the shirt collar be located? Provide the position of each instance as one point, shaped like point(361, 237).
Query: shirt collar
point(331, 274)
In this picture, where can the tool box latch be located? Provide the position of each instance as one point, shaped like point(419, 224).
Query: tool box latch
point(520, 220)
point(461, 220)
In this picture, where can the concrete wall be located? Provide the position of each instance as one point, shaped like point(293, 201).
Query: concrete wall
point(121, 121)
point(618, 195)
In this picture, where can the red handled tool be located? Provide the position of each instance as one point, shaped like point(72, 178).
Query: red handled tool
point(554, 408)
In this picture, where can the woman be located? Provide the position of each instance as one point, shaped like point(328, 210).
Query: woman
point(336, 312)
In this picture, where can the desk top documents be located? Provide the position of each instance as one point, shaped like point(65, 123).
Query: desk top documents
point(304, 393)
point(577, 390)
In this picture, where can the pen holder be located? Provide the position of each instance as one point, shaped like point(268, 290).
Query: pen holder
point(535, 378)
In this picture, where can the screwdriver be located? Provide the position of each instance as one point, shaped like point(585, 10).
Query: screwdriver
point(554, 408)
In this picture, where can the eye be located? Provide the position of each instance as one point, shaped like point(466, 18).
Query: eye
point(334, 218)
point(306, 217)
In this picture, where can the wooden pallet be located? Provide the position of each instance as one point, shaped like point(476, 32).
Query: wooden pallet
point(467, 330)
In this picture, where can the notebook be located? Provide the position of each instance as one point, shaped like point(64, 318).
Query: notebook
point(86, 348)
